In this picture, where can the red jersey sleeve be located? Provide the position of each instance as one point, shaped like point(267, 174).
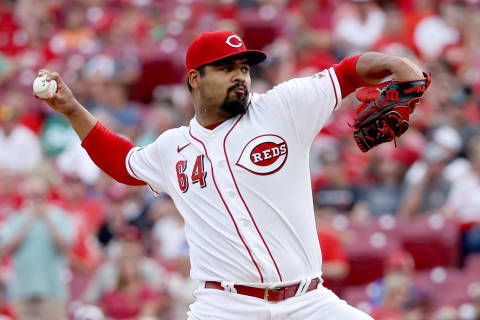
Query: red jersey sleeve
point(348, 78)
point(108, 150)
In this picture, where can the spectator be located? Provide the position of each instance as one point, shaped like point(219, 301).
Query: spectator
point(181, 286)
point(396, 293)
point(395, 289)
point(385, 195)
point(448, 139)
point(38, 238)
point(122, 208)
point(334, 257)
point(87, 213)
point(435, 32)
point(168, 230)
point(123, 111)
point(107, 277)
point(430, 193)
point(395, 39)
point(360, 27)
point(335, 192)
point(21, 148)
point(463, 201)
point(132, 297)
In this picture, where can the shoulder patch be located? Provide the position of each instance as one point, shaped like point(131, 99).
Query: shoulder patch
point(320, 74)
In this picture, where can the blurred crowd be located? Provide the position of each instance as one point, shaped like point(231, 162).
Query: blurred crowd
point(74, 243)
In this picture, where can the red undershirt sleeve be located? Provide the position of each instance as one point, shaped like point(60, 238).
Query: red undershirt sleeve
point(347, 75)
point(108, 150)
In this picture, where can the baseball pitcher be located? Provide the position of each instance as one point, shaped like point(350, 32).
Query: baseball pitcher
point(239, 173)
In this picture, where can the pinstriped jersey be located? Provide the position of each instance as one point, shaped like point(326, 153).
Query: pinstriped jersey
point(244, 187)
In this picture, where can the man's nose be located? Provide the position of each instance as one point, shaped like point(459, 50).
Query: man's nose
point(238, 75)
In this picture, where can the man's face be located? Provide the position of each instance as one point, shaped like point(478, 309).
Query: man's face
point(226, 84)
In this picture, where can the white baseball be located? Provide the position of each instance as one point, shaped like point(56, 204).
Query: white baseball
point(42, 87)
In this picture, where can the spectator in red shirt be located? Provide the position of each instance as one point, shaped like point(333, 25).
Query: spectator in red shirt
point(334, 258)
point(132, 298)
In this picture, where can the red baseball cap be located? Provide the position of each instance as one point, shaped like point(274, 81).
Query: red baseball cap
point(211, 46)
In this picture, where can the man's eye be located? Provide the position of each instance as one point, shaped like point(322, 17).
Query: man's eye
point(227, 69)
point(245, 69)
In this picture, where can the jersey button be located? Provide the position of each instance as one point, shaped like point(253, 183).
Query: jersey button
point(232, 194)
point(221, 163)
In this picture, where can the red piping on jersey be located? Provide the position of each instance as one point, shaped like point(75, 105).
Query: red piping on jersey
point(110, 159)
point(136, 176)
point(213, 126)
point(225, 204)
point(241, 197)
point(348, 78)
point(334, 89)
point(130, 166)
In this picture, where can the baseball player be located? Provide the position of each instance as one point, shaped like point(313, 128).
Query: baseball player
point(240, 178)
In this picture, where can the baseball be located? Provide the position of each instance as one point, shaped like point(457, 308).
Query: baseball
point(42, 87)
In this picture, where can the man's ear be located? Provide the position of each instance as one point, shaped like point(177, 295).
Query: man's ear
point(194, 78)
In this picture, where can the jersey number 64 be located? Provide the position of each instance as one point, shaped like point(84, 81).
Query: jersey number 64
point(198, 174)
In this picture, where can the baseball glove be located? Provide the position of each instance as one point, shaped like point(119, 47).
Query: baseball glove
point(385, 109)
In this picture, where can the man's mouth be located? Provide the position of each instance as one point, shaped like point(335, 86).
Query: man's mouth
point(239, 90)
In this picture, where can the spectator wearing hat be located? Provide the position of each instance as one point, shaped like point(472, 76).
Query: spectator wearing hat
point(394, 289)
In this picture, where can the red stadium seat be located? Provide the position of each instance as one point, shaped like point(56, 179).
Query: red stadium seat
point(432, 241)
point(370, 245)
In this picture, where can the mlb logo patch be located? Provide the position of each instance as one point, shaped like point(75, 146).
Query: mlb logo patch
point(320, 74)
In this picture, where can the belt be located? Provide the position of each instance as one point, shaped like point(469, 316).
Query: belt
point(268, 294)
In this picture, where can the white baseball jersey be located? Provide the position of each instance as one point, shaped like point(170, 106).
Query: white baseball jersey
point(244, 187)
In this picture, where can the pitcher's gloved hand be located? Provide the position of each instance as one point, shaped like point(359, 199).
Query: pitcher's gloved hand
point(385, 110)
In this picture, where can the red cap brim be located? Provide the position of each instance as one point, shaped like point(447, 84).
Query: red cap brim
point(253, 57)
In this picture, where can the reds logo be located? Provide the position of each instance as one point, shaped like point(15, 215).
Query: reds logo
point(263, 155)
point(234, 41)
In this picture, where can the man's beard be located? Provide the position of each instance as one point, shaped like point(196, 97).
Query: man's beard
point(237, 105)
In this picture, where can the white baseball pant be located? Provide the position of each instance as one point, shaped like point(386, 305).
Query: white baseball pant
point(319, 304)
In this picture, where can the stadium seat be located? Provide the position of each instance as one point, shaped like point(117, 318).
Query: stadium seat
point(432, 241)
point(367, 251)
